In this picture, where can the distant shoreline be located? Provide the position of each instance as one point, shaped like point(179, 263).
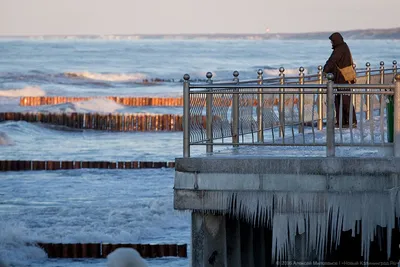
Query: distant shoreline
point(392, 33)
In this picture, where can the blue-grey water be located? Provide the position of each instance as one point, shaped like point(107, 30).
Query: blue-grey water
point(132, 206)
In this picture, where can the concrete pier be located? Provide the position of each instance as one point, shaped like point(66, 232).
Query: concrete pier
point(277, 200)
point(267, 211)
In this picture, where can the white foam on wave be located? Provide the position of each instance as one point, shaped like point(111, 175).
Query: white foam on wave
point(125, 257)
point(101, 105)
point(16, 245)
point(96, 105)
point(287, 72)
point(26, 91)
point(109, 77)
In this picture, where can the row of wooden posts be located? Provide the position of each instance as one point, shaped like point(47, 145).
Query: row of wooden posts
point(52, 165)
point(101, 250)
point(127, 101)
point(110, 122)
point(142, 101)
point(117, 122)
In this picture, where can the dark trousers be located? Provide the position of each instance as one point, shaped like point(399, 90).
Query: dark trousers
point(345, 109)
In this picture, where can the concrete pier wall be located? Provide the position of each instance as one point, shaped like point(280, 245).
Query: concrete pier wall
point(259, 211)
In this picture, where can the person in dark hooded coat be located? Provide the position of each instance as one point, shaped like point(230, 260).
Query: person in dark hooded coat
point(340, 58)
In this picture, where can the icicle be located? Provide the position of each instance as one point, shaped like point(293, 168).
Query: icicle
point(254, 207)
point(279, 236)
point(310, 213)
point(395, 204)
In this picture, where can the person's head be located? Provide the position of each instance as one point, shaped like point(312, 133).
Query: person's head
point(336, 39)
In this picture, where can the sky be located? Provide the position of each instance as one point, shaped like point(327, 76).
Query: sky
point(46, 17)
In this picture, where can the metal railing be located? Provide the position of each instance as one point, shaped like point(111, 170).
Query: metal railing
point(268, 112)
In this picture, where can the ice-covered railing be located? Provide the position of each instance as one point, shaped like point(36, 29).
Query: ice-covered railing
point(273, 113)
point(313, 104)
point(376, 75)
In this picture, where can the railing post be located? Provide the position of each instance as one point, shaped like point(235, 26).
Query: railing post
point(186, 116)
point(396, 126)
point(382, 72)
point(381, 81)
point(354, 96)
point(301, 101)
point(330, 118)
point(282, 103)
point(369, 111)
point(260, 108)
point(235, 111)
point(320, 100)
point(209, 115)
point(394, 70)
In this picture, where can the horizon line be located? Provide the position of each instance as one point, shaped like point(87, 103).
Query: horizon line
point(193, 34)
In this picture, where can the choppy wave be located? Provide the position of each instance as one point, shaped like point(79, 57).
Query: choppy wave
point(104, 106)
point(16, 247)
point(26, 91)
point(84, 78)
point(94, 79)
point(95, 105)
point(137, 78)
point(110, 77)
point(19, 129)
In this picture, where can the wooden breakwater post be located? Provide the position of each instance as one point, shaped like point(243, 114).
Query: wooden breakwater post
point(110, 122)
point(102, 250)
point(135, 101)
point(127, 101)
point(52, 165)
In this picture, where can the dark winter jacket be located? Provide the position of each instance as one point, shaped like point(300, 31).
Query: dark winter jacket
point(340, 57)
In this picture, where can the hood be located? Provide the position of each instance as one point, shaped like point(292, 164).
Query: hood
point(336, 39)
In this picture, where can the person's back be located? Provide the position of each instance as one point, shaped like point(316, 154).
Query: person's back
point(340, 58)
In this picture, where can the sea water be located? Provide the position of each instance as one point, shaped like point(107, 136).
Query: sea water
point(118, 206)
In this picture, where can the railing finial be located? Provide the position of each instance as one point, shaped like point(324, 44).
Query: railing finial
point(368, 64)
point(382, 63)
point(330, 77)
point(260, 72)
point(186, 77)
point(209, 75)
point(394, 62)
point(235, 74)
point(281, 69)
point(319, 67)
point(301, 69)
